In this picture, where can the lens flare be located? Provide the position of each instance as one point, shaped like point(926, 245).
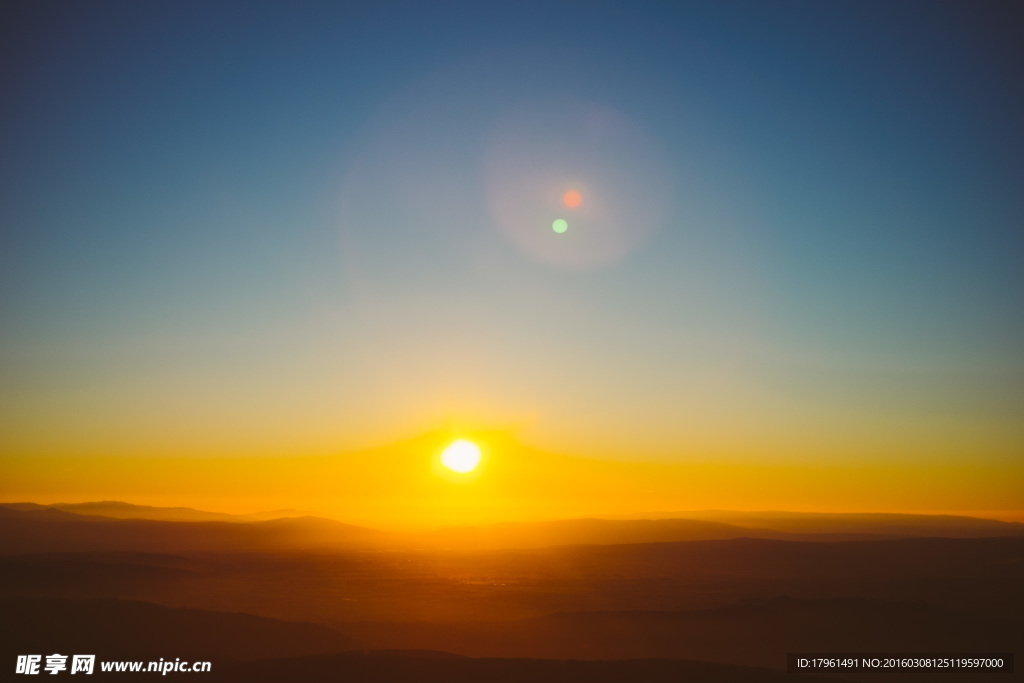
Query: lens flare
point(560, 226)
point(544, 159)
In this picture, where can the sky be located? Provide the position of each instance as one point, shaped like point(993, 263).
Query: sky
point(260, 255)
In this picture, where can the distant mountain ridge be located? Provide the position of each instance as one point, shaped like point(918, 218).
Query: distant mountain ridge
point(121, 510)
point(52, 530)
point(842, 522)
point(113, 526)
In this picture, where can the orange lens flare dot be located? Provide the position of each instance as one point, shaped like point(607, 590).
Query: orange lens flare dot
point(572, 199)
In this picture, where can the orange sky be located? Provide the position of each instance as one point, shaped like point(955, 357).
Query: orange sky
point(400, 486)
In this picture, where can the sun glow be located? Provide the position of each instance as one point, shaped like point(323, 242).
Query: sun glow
point(461, 456)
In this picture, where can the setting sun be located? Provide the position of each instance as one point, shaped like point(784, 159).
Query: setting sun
point(461, 456)
point(572, 199)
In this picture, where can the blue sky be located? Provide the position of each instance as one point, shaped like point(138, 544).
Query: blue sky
point(237, 226)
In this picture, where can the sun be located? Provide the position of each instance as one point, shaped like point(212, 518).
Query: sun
point(461, 456)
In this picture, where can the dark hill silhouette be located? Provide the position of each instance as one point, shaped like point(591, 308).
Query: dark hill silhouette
point(30, 529)
point(714, 600)
point(129, 629)
point(788, 526)
point(425, 667)
point(588, 532)
point(873, 523)
point(51, 530)
point(344, 586)
point(84, 575)
point(754, 633)
point(121, 510)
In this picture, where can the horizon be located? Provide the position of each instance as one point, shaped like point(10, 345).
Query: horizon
point(645, 515)
point(423, 500)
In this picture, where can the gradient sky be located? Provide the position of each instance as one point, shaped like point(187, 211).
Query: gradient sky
point(255, 232)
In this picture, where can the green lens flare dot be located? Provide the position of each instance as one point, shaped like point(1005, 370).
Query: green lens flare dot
point(559, 226)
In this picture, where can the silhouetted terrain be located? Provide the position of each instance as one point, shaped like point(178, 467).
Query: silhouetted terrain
point(740, 600)
point(111, 526)
point(119, 628)
point(755, 633)
point(422, 667)
point(51, 530)
point(611, 532)
point(985, 576)
point(889, 524)
point(121, 510)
